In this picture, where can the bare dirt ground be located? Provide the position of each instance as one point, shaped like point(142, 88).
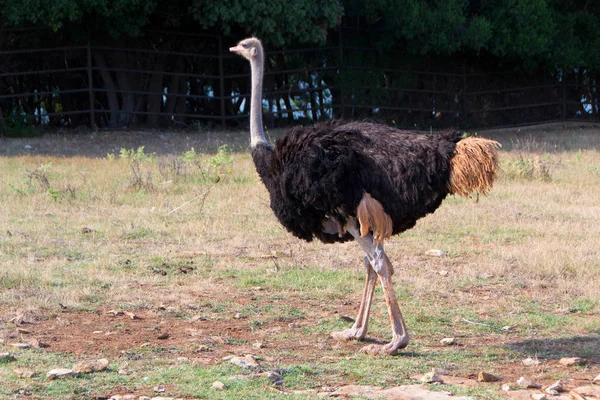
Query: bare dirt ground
point(115, 334)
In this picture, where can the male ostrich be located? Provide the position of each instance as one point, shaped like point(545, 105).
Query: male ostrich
point(340, 181)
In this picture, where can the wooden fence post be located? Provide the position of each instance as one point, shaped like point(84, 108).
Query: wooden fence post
point(222, 82)
point(340, 69)
point(91, 86)
point(564, 96)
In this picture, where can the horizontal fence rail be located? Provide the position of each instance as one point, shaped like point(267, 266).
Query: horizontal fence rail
point(199, 81)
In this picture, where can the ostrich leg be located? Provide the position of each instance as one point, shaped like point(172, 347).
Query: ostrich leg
point(384, 270)
point(359, 329)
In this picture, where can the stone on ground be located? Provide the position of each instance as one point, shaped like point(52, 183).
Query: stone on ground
point(527, 383)
point(59, 372)
point(531, 362)
point(431, 377)
point(218, 385)
point(86, 367)
point(568, 361)
point(449, 341)
point(7, 357)
point(555, 388)
point(487, 377)
point(400, 392)
point(24, 373)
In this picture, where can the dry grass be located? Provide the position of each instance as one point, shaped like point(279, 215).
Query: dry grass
point(94, 234)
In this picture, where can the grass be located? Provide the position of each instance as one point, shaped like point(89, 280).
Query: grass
point(185, 239)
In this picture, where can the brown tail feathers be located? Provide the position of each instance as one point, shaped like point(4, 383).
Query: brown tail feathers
point(474, 166)
point(371, 216)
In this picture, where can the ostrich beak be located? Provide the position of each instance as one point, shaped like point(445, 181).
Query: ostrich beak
point(236, 49)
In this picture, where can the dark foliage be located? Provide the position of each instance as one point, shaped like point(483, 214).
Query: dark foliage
point(324, 170)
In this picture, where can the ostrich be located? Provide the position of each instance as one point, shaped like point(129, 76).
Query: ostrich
point(338, 181)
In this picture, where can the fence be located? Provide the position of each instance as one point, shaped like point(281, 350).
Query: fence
point(168, 79)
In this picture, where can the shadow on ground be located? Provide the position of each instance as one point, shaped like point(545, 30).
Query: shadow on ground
point(586, 347)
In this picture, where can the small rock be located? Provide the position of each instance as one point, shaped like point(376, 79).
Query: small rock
point(568, 361)
point(258, 345)
point(218, 385)
point(444, 273)
point(131, 315)
point(38, 345)
point(507, 328)
point(123, 372)
point(115, 397)
point(487, 377)
point(20, 345)
point(527, 383)
point(198, 318)
point(449, 341)
point(129, 397)
point(114, 313)
point(595, 380)
point(239, 316)
point(87, 367)
point(144, 398)
point(275, 377)
point(23, 373)
point(539, 396)
point(7, 357)
point(23, 331)
point(506, 387)
point(555, 388)
point(435, 253)
point(163, 336)
point(183, 359)
point(203, 348)
point(530, 362)
point(59, 372)
point(431, 377)
point(160, 389)
point(248, 361)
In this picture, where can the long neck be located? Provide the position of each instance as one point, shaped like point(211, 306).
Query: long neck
point(257, 135)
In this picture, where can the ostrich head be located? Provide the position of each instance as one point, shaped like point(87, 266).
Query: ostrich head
point(249, 48)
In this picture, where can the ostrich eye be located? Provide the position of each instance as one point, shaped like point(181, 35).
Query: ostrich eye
point(245, 45)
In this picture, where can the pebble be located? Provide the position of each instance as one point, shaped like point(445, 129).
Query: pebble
point(568, 361)
point(596, 379)
point(449, 341)
point(435, 253)
point(163, 336)
point(539, 396)
point(258, 345)
point(506, 387)
point(160, 389)
point(528, 383)
point(58, 372)
point(275, 377)
point(23, 373)
point(20, 345)
point(218, 385)
point(487, 377)
point(530, 362)
point(431, 377)
point(87, 367)
point(249, 361)
point(555, 388)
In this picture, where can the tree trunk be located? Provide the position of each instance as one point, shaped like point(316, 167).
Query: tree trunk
point(121, 61)
point(111, 94)
point(156, 89)
point(173, 89)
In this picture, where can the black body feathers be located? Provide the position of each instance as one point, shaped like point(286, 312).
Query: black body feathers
point(324, 170)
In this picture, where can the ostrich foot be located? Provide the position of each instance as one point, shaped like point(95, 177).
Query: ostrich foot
point(349, 334)
point(390, 349)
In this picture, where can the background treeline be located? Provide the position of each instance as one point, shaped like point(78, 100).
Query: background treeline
point(124, 63)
